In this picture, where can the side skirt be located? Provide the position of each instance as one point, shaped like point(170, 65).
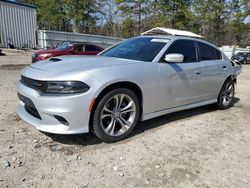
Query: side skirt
point(175, 109)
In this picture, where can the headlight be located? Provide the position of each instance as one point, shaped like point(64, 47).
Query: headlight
point(66, 87)
point(44, 56)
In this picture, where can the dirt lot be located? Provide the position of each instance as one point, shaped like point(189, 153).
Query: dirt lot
point(202, 147)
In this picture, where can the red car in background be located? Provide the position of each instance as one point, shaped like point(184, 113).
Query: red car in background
point(67, 49)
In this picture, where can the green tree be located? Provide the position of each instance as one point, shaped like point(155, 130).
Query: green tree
point(51, 14)
point(210, 16)
point(219, 21)
point(108, 14)
point(82, 14)
point(177, 13)
point(127, 28)
point(136, 11)
point(237, 31)
point(62, 14)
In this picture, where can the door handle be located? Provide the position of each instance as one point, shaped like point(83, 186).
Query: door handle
point(224, 67)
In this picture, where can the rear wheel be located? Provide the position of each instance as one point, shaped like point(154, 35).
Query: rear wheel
point(116, 115)
point(226, 96)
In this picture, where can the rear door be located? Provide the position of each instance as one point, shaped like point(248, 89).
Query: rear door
point(215, 69)
point(181, 83)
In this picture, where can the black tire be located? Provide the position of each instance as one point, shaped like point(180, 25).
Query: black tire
point(98, 127)
point(225, 95)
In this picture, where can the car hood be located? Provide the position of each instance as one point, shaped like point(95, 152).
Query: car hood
point(46, 51)
point(66, 64)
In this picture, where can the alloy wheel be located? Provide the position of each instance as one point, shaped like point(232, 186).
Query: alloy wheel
point(228, 95)
point(118, 115)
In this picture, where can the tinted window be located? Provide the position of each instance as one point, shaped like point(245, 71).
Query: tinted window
point(208, 52)
point(78, 48)
point(142, 48)
point(89, 48)
point(184, 47)
point(98, 49)
point(245, 54)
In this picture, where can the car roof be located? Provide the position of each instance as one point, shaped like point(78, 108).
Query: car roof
point(75, 43)
point(81, 43)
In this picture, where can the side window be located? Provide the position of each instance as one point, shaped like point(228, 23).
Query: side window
point(184, 47)
point(98, 49)
point(78, 48)
point(208, 52)
point(90, 48)
point(218, 54)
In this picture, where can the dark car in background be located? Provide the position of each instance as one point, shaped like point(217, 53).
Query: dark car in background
point(67, 49)
point(239, 59)
point(243, 57)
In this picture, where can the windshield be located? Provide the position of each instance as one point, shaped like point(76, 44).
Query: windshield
point(64, 46)
point(142, 48)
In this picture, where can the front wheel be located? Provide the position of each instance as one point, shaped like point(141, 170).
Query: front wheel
point(116, 115)
point(226, 96)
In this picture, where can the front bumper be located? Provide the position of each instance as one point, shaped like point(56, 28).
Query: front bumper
point(73, 108)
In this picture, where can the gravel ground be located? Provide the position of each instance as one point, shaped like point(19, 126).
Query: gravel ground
point(201, 147)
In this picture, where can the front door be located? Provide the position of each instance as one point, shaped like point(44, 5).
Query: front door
point(181, 83)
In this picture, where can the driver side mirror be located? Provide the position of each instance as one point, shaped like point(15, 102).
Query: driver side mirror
point(174, 58)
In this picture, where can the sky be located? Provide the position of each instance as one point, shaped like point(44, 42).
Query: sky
point(247, 19)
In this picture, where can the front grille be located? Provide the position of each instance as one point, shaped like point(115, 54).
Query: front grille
point(35, 84)
point(32, 111)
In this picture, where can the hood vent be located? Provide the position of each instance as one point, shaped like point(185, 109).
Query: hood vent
point(54, 59)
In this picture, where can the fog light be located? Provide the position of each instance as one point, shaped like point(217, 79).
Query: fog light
point(62, 120)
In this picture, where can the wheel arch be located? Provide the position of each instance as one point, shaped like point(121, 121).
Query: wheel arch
point(220, 101)
point(121, 84)
point(229, 77)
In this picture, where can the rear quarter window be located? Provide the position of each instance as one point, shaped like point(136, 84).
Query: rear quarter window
point(207, 52)
point(90, 48)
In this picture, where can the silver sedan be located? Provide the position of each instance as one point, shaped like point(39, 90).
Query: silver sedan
point(137, 79)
